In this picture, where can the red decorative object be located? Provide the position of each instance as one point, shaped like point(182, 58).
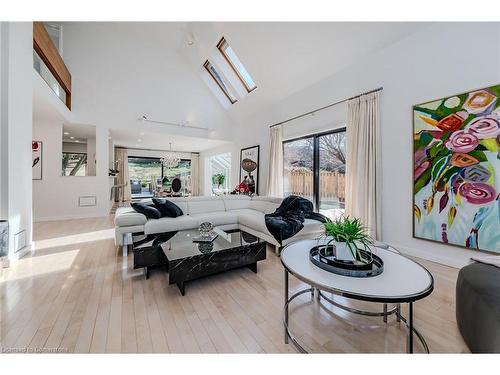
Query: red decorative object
point(242, 188)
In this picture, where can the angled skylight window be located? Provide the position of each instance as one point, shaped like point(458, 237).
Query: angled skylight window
point(236, 64)
point(220, 81)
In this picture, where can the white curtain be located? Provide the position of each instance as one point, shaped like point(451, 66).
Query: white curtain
point(121, 159)
point(363, 171)
point(275, 177)
point(195, 174)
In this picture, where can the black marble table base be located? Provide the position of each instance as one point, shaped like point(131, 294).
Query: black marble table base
point(149, 257)
point(183, 270)
point(182, 284)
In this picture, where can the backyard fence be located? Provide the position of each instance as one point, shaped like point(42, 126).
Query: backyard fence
point(331, 184)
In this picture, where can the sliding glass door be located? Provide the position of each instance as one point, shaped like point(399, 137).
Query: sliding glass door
point(147, 174)
point(331, 198)
point(314, 168)
point(182, 172)
point(298, 172)
point(143, 174)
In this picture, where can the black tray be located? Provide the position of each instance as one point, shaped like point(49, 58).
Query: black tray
point(324, 259)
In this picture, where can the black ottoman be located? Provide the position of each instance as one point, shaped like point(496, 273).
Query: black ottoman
point(478, 307)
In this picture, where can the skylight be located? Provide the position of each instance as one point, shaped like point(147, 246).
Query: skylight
point(220, 81)
point(236, 64)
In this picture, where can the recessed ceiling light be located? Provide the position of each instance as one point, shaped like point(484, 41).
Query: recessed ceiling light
point(71, 137)
point(76, 141)
point(66, 133)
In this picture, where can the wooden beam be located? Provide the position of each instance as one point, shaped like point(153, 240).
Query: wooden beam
point(49, 54)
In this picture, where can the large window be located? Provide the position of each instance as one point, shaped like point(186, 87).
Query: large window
point(144, 173)
point(236, 65)
point(298, 160)
point(331, 178)
point(314, 167)
point(148, 174)
point(48, 77)
point(47, 59)
point(182, 172)
point(220, 171)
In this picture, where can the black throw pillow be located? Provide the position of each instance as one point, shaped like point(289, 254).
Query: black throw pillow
point(167, 208)
point(149, 211)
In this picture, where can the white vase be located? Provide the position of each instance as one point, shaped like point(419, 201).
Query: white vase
point(342, 252)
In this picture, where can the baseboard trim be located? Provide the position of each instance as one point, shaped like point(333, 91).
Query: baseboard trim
point(14, 257)
point(70, 217)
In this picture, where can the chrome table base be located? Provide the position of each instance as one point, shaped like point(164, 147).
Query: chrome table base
point(396, 310)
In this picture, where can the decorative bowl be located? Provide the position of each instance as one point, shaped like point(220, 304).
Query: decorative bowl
point(205, 229)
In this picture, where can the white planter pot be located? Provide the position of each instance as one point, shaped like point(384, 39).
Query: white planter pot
point(341, 250)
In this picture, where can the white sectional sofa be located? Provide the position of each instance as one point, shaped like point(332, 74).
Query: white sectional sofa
point(227, 212)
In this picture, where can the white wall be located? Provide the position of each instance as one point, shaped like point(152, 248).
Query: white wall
point(3, 120)
point(74, 147)
point(92, 156)
point(16, 122)
point(441, 60)
point(56, 197)
point(111, 153)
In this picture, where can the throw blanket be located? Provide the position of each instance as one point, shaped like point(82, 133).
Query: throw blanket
point(288, 219)
point(494, 260)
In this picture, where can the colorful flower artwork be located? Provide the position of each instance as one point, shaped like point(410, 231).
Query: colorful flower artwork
point(456, 175)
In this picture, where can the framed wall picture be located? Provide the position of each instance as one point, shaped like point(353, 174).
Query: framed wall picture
point(37, 154)
point(456, 171)
point(249, 168)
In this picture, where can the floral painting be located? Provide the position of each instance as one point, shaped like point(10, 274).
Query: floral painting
point(457, 170)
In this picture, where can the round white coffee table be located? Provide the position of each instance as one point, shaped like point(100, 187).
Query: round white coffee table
point(402, 281)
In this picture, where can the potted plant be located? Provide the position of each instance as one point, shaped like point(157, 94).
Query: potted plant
point(349, 242)
point(218, 179)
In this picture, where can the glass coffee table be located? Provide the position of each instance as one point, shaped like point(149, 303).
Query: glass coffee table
point(188, 260)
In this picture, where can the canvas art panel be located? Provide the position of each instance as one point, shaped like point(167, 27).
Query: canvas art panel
point(249, 168)
point(456, 178)
point(36, 160)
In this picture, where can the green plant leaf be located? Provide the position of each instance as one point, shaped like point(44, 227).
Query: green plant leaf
point(350, 231)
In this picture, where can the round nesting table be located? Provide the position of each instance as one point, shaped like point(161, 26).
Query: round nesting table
point(403, 281)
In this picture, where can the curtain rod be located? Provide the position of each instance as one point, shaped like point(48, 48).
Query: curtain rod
point(326, 106)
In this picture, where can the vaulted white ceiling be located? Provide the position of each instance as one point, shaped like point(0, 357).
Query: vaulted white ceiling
point(124, 70)
point(286, 57)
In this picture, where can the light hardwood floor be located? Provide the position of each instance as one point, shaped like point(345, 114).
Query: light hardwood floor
point(77, 293)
